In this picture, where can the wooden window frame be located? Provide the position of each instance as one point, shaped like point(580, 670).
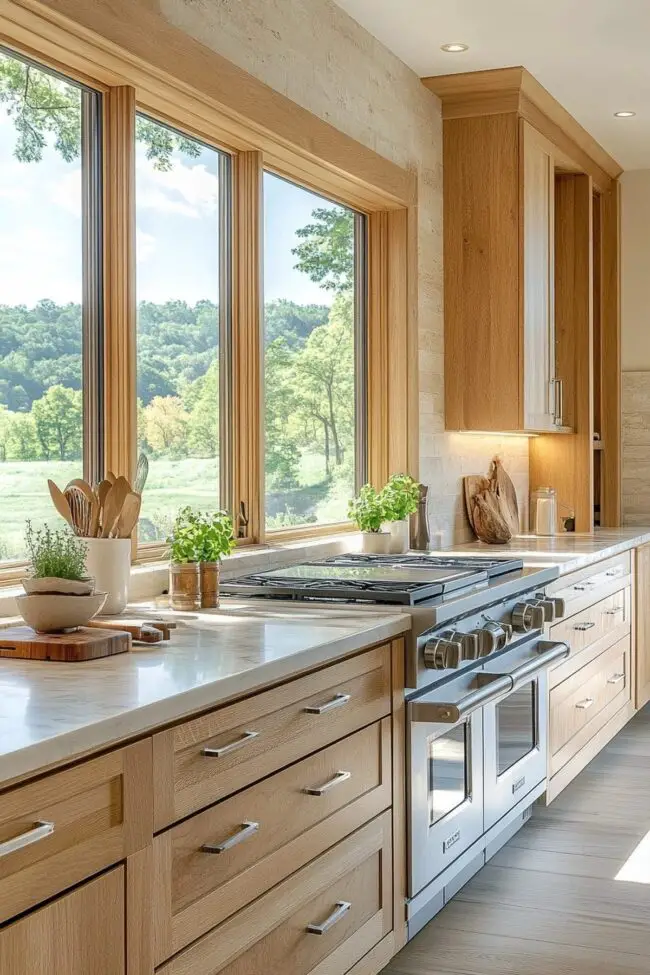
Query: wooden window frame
point(123, 51)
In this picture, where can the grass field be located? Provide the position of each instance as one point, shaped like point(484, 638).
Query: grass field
point(171, 484)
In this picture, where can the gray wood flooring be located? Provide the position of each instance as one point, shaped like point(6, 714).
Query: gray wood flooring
point(549, 902)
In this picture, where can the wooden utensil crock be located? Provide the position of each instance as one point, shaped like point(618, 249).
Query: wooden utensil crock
point(209, 572)
point(184, 585)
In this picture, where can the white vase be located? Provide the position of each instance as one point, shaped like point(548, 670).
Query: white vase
point(109, 561)
point(400, 536)
point(375, 543)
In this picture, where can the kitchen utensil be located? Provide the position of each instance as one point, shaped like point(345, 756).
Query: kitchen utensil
point(141, 474)
point(129, 516)
point(142, 631)
point(80, 510)
point(543, 509)
point(507, 495)
point(113, 505)
point(83, 486)
point(60, 503)
point(85, 644)
point(422, 537)
point(111, 477)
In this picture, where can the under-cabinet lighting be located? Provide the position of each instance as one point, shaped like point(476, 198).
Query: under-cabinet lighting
point(624, 114)
point(455, 48)
point(493, 433)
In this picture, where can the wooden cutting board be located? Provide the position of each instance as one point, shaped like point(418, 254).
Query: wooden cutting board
point(83, 644)
point(145, 631)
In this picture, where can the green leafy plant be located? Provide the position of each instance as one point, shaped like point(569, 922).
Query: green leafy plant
point(215, 536)
point(183, 540)
point(399, 497)
point(58, 554)
point(367, 509)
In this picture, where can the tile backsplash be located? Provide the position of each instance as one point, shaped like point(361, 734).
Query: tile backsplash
point(635, 487)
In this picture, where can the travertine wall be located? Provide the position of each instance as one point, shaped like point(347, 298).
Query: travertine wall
point(635, 492)
point(313, 52)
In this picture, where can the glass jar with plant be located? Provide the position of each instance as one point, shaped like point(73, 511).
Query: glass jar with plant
point(367, 511)
point(400, 496)
point(185, 555)
point(214, 540)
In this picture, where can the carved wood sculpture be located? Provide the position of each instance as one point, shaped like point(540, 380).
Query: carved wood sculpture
point(491, 504)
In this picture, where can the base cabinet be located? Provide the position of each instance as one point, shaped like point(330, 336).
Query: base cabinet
point(642, 607)
point(81, 933)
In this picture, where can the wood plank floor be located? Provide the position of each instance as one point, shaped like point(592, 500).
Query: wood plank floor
point(549, 902)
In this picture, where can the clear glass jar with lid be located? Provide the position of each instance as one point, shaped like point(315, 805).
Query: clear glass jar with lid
point(543, 511)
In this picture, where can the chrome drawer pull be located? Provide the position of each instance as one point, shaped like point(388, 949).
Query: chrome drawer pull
point(247, 830)
point(615, 678)
point(320, 790)
point(337, 702)
point(247, 737)
point(38, 832)
point(583, 626)
point(613, 612)
point(584, 705)
point(612, 572)
point(341, 909)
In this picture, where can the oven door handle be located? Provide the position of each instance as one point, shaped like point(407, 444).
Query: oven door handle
point(547, 653)
point(494, 686)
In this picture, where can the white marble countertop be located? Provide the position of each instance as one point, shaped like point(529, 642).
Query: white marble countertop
point(52, 712)
point(569, 551)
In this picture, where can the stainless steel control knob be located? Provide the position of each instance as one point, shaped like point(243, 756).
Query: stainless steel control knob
point(494, 636)
point(548, 608)
point(559, 608)
point(526, 617)
point(443, 653)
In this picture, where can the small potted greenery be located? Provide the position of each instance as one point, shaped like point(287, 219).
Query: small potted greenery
point(184, 554)
point(59, 596)
point(367, 511)
point(400, 497)
point(214, 540)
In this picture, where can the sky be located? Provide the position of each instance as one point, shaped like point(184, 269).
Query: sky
point(177, 229)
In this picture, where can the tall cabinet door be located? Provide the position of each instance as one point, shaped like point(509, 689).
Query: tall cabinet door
point(642, 606)
point(537, 244)
point(81, 933)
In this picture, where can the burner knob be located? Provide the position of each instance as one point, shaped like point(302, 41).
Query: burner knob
point(551, 605)
point(494, 636)
point(444, 652)
point(472, 645)
point(526, 617)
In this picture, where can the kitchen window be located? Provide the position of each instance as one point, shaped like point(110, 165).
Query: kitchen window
point(51, 306)
point(314, 356)
point(182, 248)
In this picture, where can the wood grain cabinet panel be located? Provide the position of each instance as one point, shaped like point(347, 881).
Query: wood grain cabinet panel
point(261, 835)
point(346, 893)
point(81, 933)
point(204, 760)
point(63, 828)
point(591, 631)
point(642, 608)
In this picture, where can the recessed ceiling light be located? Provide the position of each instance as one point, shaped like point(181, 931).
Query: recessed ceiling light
point(454, 48)
point(624, 114)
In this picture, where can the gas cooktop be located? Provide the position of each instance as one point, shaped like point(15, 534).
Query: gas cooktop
point(400, 579)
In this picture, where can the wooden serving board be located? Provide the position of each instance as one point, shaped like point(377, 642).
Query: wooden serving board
point(145, 631)
point(83, 644)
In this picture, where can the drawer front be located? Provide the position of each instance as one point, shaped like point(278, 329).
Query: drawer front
point(583, 703)
point(323, 918)
point(204, 760)
point(263, 834)
point(607, 620)
point(588, 585)
point(71, 824)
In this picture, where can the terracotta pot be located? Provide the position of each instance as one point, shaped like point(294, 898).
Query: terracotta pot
point(210, 584)
point(375, 543)
point(184, 586)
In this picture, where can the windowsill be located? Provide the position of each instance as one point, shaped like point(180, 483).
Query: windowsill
point(150, 579)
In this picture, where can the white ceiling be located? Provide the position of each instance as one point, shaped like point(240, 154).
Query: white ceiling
point(592, 55)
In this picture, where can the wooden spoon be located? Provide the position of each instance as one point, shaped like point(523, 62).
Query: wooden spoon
point(113, 505)
point(110, 477)
point(129, 516)
point(60, 503)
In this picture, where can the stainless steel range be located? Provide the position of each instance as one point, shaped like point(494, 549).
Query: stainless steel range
point(476, 697)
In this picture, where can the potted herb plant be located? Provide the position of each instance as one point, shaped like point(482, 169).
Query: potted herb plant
point(214, 539)
point(184, 554)
point(367, 511)
point(58, 593)
point(400, 497)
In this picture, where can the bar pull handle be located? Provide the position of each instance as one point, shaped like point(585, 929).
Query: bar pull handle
point(38, 832)
point(338, 701)
point(339, 912)
point(615, 678)
point(583, 626)
point(585, 705)
point(320, 790)
point(247, 830)
point(233, 746)
point(613, 612)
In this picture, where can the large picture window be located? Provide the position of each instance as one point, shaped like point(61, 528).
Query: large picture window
point(314, 361)
point(50, 291)
point(182, 197)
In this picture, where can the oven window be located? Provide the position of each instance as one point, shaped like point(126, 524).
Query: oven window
point(516, 726)
point(448, 771)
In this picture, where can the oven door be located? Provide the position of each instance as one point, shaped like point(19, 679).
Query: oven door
point(515, 728)
point(445, 743)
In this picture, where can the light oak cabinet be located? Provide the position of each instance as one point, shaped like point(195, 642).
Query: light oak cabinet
point(81, 933)
point(642, 606)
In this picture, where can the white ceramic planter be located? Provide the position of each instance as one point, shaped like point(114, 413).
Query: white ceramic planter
point(400, 532)
point(375, 543)
point(109, 561)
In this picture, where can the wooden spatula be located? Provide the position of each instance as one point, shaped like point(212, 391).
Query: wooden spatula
point(113, 505)
point(129, 516)
point(60, 503)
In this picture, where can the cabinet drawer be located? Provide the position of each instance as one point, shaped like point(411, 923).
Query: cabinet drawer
point(202, 761)
point(69, 825)
point(583, 703)
point(588, 585)
point(605, 621)
point(265, 833)
point(347, 892)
